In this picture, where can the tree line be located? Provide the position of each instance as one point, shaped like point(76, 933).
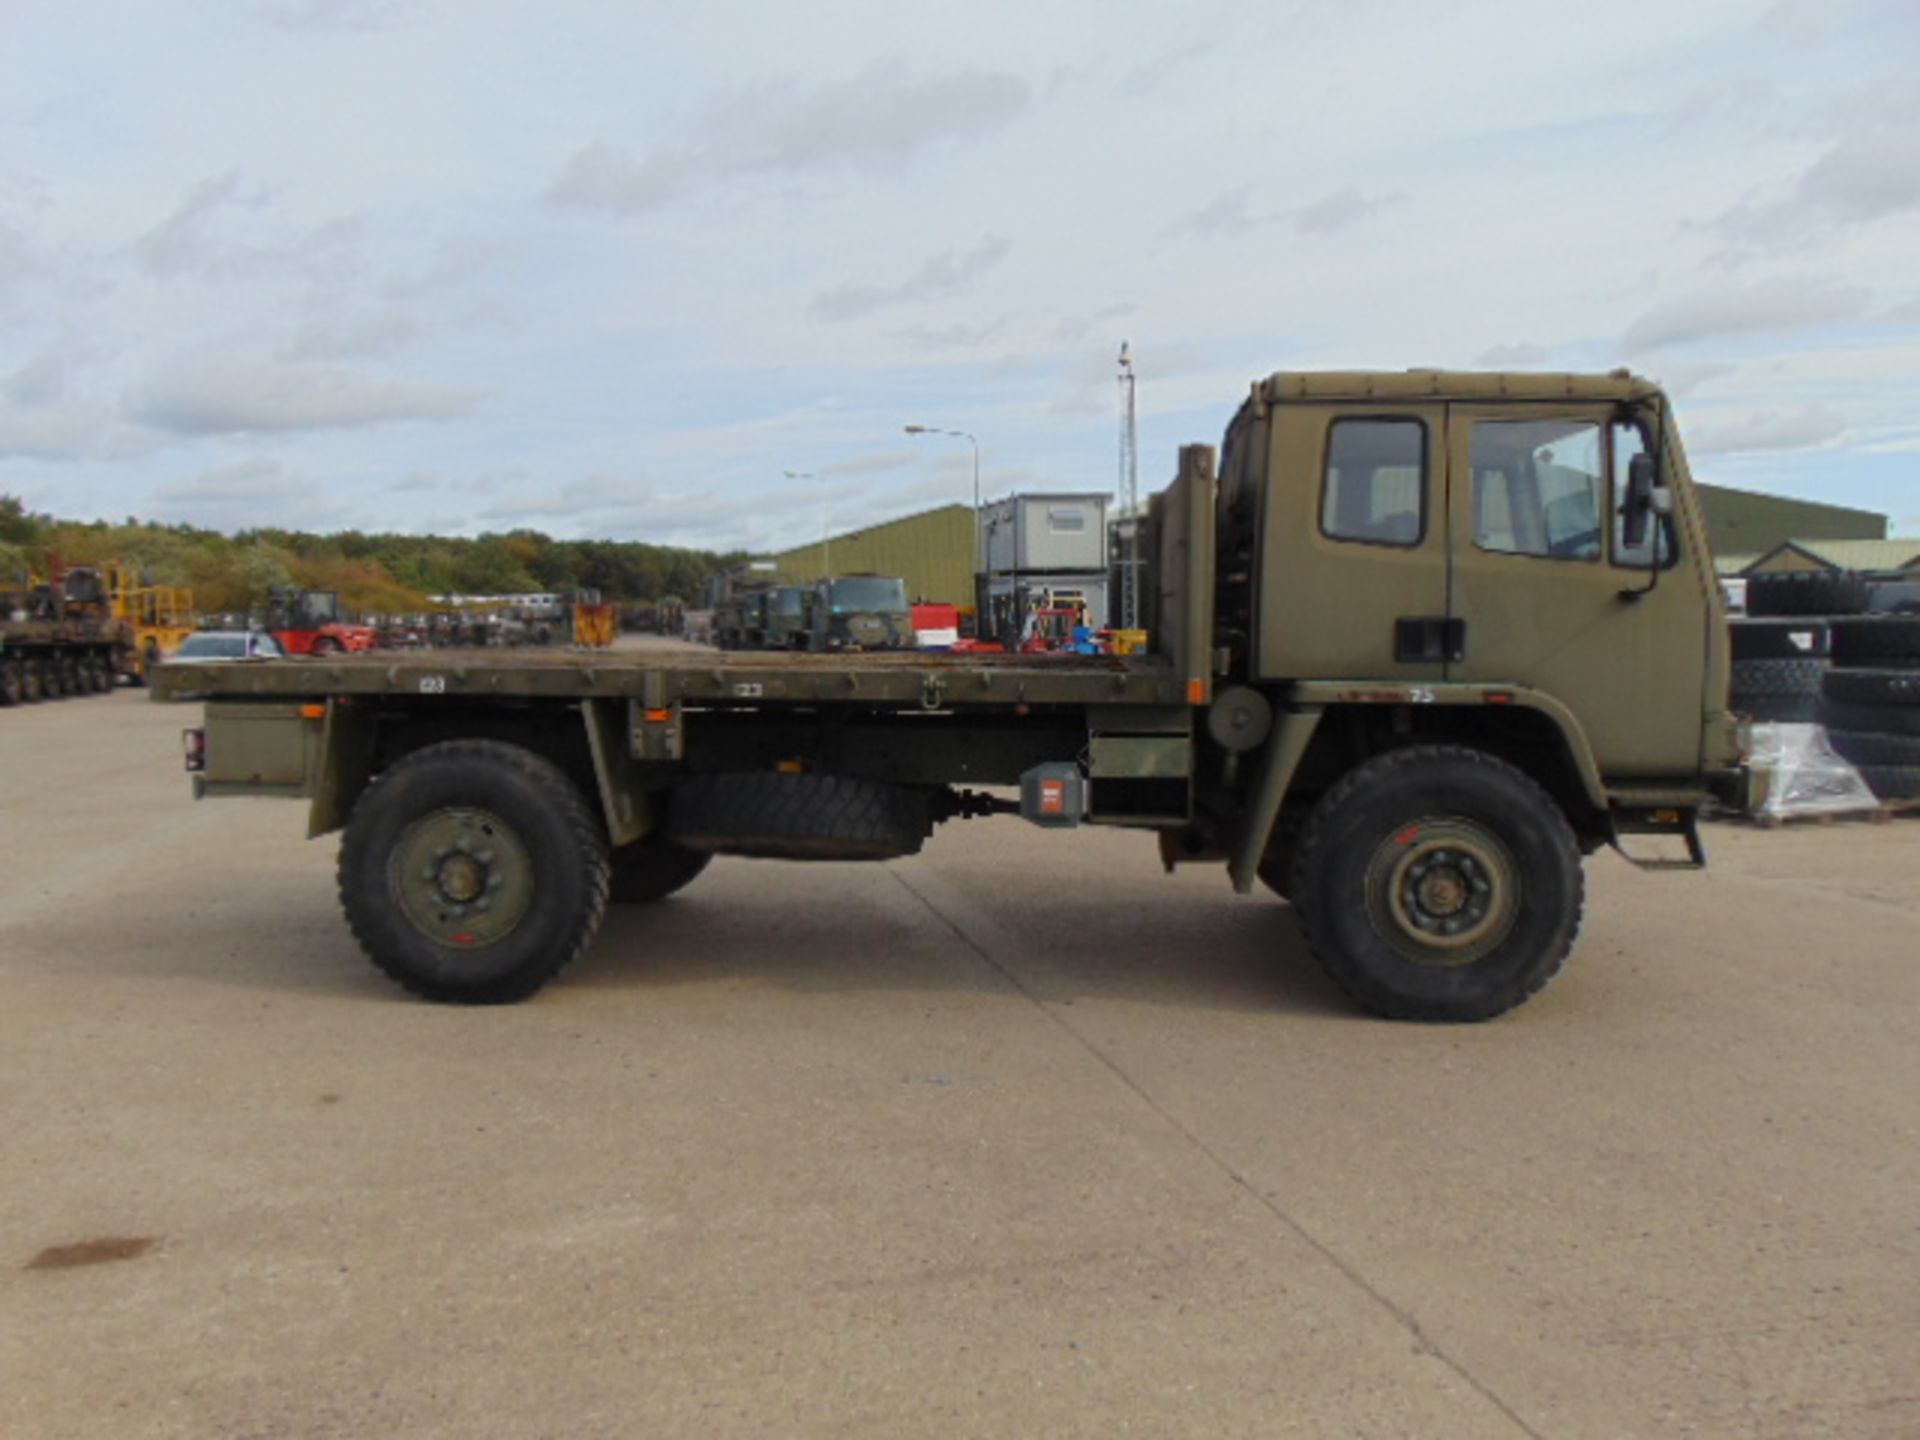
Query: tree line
point(375, 574)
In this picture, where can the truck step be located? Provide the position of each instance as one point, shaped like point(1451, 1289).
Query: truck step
point(1681, 823)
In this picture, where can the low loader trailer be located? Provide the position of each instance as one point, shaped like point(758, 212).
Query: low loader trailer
point(1419, 643)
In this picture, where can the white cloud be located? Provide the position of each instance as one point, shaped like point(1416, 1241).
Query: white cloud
point(943, 275)
point(1225, 214)
point(182, 242)
point(880, 119)
point(1803, 427)
point(1719, 313)
point(1516, 355)
point(1345, 207)
point(203, 395)
point(255, 492)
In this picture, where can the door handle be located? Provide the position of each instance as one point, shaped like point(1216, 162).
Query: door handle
point(1429, 640)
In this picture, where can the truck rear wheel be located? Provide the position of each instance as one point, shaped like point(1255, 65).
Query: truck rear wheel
point(651, 869)
point(1438, 883)
point(11, 685)
point(473, 871)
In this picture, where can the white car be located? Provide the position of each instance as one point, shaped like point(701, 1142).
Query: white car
point(209, 646)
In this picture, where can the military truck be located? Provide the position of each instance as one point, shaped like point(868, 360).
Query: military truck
point(784, 623)
point(859, 612)
point(1419, 643)
point(61, 637)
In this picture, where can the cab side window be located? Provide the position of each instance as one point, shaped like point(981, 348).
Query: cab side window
point(1538, 488)
point(1375, 487)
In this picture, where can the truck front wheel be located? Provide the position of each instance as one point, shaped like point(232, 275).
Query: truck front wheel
point(1438, 883)
point(472, 871)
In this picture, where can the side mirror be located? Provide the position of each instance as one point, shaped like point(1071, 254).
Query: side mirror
point(1638, 505)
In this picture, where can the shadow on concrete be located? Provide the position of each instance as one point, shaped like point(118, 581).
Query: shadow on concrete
point(1220, 952)
point(817, 929)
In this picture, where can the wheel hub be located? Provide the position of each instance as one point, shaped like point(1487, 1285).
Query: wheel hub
point(462, 877)
point(1443, 891)
point(1446, 890)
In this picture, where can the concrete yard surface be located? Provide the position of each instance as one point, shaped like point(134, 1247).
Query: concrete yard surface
point(1019, 1137)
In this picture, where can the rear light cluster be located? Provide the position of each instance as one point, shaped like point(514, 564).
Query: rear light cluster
point(194, 743)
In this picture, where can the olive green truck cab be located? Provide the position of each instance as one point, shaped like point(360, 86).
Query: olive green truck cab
point(1419, 642)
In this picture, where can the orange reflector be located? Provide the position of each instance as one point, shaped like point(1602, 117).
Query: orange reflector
point(313, 712)
point(1196, 692)
point(790, 767)
point(659, 717)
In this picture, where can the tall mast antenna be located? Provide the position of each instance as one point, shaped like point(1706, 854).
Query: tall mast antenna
point(1129, 492)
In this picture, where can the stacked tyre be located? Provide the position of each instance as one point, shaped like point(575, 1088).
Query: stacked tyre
point(1870, 700)
point(1783, 649)
point(1778, 666)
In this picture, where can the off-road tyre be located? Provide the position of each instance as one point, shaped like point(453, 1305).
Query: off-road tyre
point(33, 682)
point(1892, 640)
point(1806, 592)
point(1892, 782)
point(650, 870)
point(1755, 678)
point(1780, 639)
point(1377, 825)
point(1872, 687)
point(798, 817)
point(1865, 747)
point(11, 684)
point(565, 867)
point(1873, 719)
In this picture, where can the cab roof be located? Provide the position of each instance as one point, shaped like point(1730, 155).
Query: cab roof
point(1614, 385)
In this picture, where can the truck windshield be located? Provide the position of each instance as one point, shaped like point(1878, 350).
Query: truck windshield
point(789, 603)
point(868, 592)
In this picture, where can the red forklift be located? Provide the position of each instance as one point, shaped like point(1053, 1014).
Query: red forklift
point(307, 622)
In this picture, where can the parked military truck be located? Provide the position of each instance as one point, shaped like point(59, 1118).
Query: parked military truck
point(1422, 642)
point(859, 612)
point(784, 623)
point(61, 638)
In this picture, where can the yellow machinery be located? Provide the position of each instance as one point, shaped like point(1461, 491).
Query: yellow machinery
point(160, 616)
point(594, 623)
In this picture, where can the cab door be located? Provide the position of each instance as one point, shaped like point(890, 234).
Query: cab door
point(1354, 556)
point(1545, 595)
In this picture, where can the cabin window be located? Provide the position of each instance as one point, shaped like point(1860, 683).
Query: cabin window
point(1375, 488)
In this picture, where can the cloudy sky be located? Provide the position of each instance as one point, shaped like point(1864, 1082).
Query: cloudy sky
point(613, 270)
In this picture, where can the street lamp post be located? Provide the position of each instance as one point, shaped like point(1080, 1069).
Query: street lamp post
point(826, 538)
point(979, 559)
